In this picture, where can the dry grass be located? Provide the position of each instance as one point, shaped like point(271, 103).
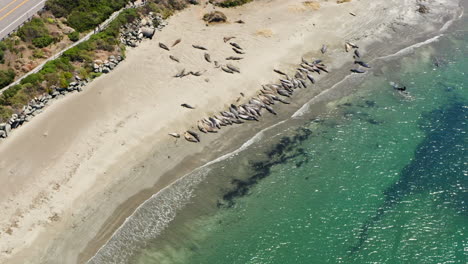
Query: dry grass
point(312, 5)
point(267, 33)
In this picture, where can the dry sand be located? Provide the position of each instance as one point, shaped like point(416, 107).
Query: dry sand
point(71, 175)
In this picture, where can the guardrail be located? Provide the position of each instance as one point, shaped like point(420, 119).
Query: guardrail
point(13, 26)
point(99, 28)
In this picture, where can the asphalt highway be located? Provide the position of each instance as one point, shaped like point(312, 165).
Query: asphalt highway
point(13, 13)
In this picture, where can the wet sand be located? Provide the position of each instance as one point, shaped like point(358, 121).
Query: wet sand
point(75, 172)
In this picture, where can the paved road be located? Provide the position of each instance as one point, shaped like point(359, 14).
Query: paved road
point(102, 26)
point(14, 12)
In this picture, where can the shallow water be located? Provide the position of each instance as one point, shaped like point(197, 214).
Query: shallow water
point(380, 178)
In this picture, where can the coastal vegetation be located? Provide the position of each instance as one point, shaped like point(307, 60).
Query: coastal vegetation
point(39, 38)
point(230, 3)
point(85, 14)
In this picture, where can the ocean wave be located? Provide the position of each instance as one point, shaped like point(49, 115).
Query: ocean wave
point(305, 108)
point(155, 214)
point(148, 220)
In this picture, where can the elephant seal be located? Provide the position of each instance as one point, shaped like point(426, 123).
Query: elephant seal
point(176, 42)
point(199, 47)
point(352, 45)
point(234, 58)
point(207, 57)
point(180, 74)
point(347, 47)
point(197, 73)
point(190, 137)
point(201, 127)
point(358, 71)
point(233, 68)
point(176, 135)
point(235, 45)
point(226, 69)
point(174, 58)
point(238, 51)
point(187, 106)
point(269, 109)
point(280, 72)
point(324, 49)
point(226, 39)
point(162, 46)
point(195, 135)
point(363, 64)
point(357, 53)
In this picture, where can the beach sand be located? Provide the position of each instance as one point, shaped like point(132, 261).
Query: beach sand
point(73, 174)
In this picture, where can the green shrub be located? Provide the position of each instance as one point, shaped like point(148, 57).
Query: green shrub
point(74, 36)
point(38, 53)
point(3, 47)
point(34, 79)
point(6, 77)
point(32, 30)
point(84, 14)
point(42, 42)
point(8, 94)
point(61, 8)
point(77, 54)
point(5, 113)
point(232, 3)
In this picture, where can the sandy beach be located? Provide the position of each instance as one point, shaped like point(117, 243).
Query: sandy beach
point(73, 174)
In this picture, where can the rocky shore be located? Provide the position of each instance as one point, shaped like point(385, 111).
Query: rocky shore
point(131, 35)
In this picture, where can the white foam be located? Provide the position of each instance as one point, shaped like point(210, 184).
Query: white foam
point(164, 205)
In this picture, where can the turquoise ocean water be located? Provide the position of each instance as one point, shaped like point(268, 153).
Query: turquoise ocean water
point(380, 178)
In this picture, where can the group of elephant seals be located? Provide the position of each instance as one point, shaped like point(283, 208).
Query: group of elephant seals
point(266, 97)
point(357, 57)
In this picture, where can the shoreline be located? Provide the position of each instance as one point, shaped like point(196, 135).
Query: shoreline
point(129, 180)
point(246, 141)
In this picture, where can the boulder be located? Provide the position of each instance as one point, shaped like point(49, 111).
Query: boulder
point(423, 9)
point(215, 17)
point(148, 32)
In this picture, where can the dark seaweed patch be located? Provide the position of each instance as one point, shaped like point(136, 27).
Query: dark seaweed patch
point(373, 121)
point(370, 103)
point(437, 167)
point(281, 153)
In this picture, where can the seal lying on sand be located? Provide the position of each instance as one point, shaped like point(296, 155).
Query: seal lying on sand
point(176, 135)
point(234, 58)
point(233, 68)
point(199, 47)
point(174, 58)
point(226, 39)
point(238, 51)
point(162, 46)
point(235, 45)
point(363, 64)
point(180, 74)
point(191, 136)
point(176, 42)
point(207, 57)
point(187, 106)
point(357, 53)
point(358, 71)
point(280, 72)
point(226, 69)
point(324, 49)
